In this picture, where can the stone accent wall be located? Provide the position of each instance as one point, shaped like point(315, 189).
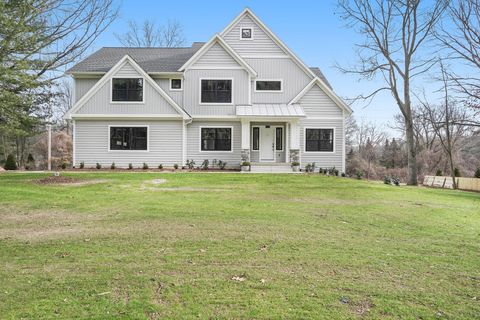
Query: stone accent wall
point(294, 155)
point(245, 155)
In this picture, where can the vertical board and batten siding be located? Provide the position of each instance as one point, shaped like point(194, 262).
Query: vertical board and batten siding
point(192, 91)
point(216, 56)
point(193, 143)
point(176, 95)
point(164, 143)
point(293, 79)
point(323, 159)
point(260, 45)
point(100, 102)
point(82, 85)
point(316, 103)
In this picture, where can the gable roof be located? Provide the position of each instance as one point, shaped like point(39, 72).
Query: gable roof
point(149, 59)
point(320, 75)
point(217, 39)
point(106, 77)
point(328, 91)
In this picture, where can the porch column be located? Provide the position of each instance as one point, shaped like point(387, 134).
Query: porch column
point(245, 140)
point(294, 141)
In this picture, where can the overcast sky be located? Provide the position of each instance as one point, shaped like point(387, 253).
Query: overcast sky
point(312, 29)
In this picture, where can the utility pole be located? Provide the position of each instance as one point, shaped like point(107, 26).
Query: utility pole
point(49, 161)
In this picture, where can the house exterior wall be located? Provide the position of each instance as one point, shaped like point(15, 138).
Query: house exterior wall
point(192, 91)
point(164, 143)
point(176, 95)
point(82, 85)
point(216, 56)
point(316, 103)
point(193, 143)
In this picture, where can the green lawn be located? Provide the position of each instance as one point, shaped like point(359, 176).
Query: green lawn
point(236, 246)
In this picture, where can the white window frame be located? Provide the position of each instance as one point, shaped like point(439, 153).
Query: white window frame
point(127, 102)
point(251, 33)
point(214, 103)
point(305, 140)
point(268, 91)
point(129, 126)
point(214, 151)
point(174, 89)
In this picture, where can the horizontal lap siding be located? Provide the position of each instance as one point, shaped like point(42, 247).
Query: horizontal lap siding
point(193, 143)
point(261, 45)
point(192, 91)
point(327, 159)
point(164, 138)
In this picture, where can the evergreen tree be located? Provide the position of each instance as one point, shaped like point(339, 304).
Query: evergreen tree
point(11, 163)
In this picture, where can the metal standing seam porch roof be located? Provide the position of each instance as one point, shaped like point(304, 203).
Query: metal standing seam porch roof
point(270, 110)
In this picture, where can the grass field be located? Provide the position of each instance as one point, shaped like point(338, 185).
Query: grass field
point(236, 246)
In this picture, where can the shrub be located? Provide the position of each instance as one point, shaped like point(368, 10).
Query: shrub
point(82, 164)
point(98, 166)
point(245, 164)
point(333, 171)
point(221, 164)
point(30, 162)
point(130, 166)
point(456, 172)
point(63, 165)
point(387, 180)
point(175, 166)
point(439, 173)
point(295, 164)
point(205, 164)
point(477, 173)
point(396, 181)
point(145, 166)
point(113, 166)
point(310, 167)
point(343, 175)
point(359, 174)
point(11, 163)
point(190, 164)
point(160, 166)
point(320, 170)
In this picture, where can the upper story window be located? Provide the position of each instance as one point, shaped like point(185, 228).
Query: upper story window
point(268, 85)
point(216, 91)
point(127, 89)
point(246, 33)
point(175, 84)
point(128, 138)
point(319, 140)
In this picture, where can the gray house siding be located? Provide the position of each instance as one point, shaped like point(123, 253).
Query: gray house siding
point(294, 79)
point(192, 91)
point(164, 142)
point(316, 103)
point(216, 56)
point(260, 45)
point(193, 143)
point(176, 95)
point(82, 85)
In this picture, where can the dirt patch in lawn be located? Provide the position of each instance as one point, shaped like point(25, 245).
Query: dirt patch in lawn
point(62, 180)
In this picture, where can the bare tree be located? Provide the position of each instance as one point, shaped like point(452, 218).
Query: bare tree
point(395, 32)
point(351, 130)
point(61, 104)
point(460, 35)
point(150, 35)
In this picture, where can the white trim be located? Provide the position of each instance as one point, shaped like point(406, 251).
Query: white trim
point(111, 73)
point(184, 142)
point(215, 117)
point(217, 39)
point(127, 102)
point(241, 33)
point(268, 91)
point(249, 90)
point(127, 116)
point(272, 35)
point(215, 68)
point(317, 81)
point(267, 57)
point(324, 118)
point(317, 152)
point(213, 151)
point(214, 103)
point(74, 141)
point(343, 143)
point(174, 89)
point(128, 126)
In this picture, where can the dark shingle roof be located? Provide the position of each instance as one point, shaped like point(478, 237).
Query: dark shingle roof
point(320, 74)
point(149, 59)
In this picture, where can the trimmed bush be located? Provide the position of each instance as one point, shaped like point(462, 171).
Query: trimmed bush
point(190, 164)
point(477, 173)
point(113, 166)
point(439, 173)
point(359, 174)
point(130, 166)
point(387, 180)
point(221, 164)
point(456, 172)
point(82, 164)
point(63, 165)
point(175, 166)
point(98, 166)
point(205, 164)
point(145, 166)
point(160, 166)
point(11, 163)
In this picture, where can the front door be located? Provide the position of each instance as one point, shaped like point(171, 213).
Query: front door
point(267, 143)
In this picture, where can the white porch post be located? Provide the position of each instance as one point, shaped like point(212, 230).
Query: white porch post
point(294, 141)
point(245, 140)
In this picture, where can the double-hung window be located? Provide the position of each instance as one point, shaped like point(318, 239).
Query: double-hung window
point(127, 89)
point(216, 139)
point(319, 140)
point(216, 91)
point(128, 138)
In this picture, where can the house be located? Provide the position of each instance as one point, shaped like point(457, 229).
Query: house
point(241, 96)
